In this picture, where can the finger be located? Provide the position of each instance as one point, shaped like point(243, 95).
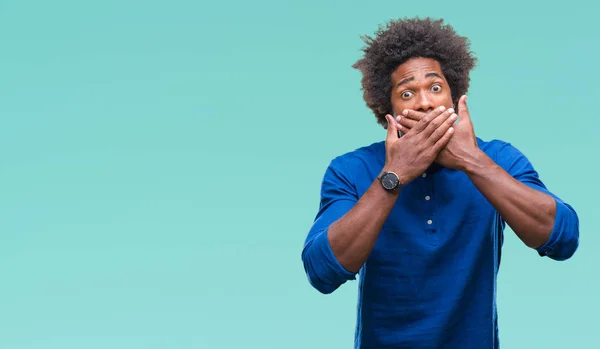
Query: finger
point(437, 122)
point(442, 129)
point(463, 110)
point(400, 129)
point(397, 119)
point(443, 141)
point(407, 123)
point(392, 129)
point(424, 122)
point(413, 114)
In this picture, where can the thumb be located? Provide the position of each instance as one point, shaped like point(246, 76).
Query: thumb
point(463, 110)
point(392, 128)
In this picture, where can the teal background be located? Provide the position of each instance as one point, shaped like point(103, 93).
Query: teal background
point(161, 164)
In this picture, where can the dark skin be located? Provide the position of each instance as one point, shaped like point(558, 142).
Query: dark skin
point(422, 93)
point(529, 212)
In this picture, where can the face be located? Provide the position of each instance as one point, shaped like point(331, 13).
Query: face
point(419, 84)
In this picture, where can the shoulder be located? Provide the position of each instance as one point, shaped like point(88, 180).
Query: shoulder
point(358, 164)
point(498, 148)
point(364, 156)
point(504, 154)
point(492, 147)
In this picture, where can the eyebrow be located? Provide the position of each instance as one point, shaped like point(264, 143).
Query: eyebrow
point(407, 80)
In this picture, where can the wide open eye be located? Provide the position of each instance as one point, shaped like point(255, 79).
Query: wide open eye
point(436, 88)
point(406, 94)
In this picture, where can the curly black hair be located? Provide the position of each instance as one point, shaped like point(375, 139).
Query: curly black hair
point(400, 40)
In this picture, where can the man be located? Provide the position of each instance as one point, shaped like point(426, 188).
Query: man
point(420, 217)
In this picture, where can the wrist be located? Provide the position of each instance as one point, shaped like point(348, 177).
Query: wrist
point(402, 178)
point(476, 162)
point(390, 180)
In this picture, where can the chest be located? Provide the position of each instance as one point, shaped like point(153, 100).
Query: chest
point(441, 213)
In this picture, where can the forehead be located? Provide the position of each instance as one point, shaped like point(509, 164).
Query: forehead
point(416, 68)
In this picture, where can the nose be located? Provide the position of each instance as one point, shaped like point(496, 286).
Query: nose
point(423, 102)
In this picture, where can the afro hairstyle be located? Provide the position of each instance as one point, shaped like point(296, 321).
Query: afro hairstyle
point(400, 40)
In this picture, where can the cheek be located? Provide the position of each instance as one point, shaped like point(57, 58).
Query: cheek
point(449, 97)
point(399, 105)
point(449, 103)
point(447, 100)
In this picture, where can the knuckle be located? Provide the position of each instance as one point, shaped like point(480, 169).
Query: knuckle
point(431, 140)
point(440, 134)
point(444, 132)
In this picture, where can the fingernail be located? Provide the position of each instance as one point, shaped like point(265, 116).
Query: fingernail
point(453, 117)
point(450, 110)
point(405, 112)
point(442, 108)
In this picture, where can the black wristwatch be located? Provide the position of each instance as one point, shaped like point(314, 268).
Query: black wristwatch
point(390, 181)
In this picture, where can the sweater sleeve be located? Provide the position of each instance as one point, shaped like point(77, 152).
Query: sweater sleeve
point(564, 239)
point(338, 196)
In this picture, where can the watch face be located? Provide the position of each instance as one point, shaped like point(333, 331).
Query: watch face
point(389, 181)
